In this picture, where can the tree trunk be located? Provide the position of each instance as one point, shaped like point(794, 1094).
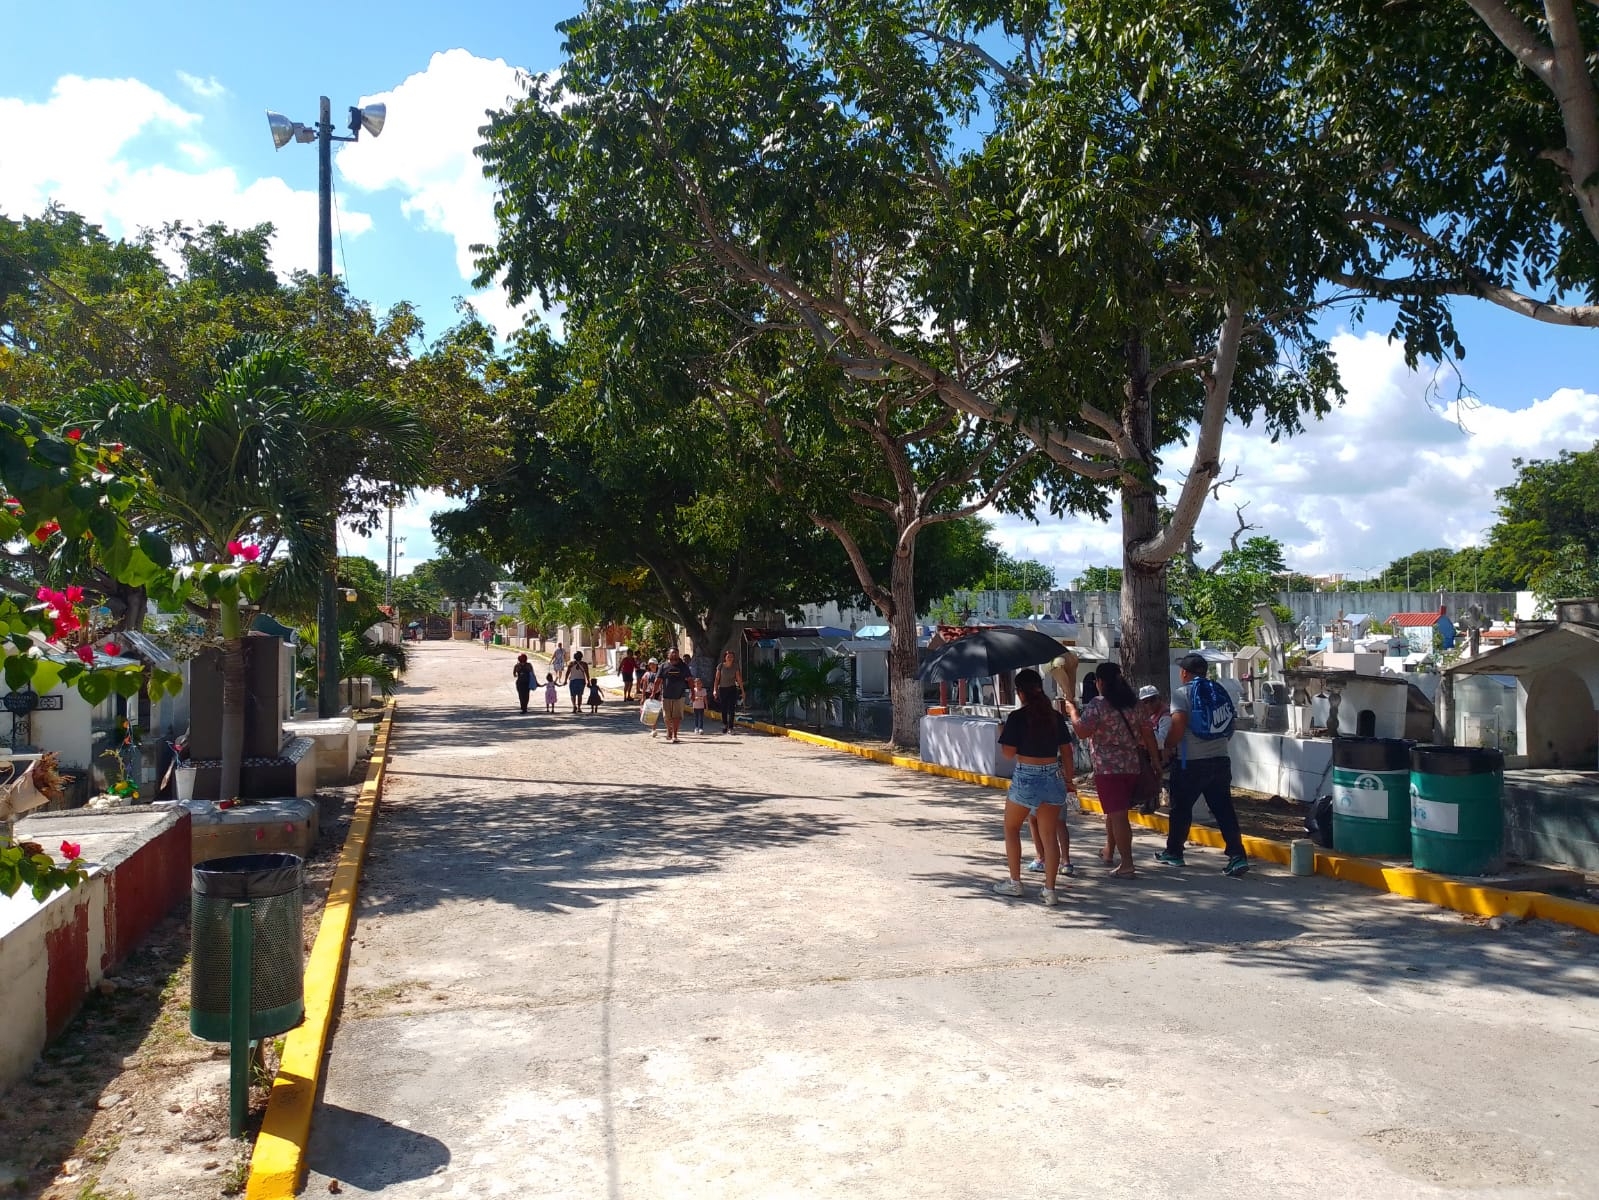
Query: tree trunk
point(233, 685)
point(1146, 610)
point(1146, 636)
point(904, 688)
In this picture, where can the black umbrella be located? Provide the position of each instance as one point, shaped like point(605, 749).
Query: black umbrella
point(990, 652)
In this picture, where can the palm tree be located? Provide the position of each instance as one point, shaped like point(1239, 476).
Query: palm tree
point(810, 683)
point(258, 455)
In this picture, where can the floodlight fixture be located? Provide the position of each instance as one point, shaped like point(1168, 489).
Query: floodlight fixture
point(369, 117)
point(283, 130)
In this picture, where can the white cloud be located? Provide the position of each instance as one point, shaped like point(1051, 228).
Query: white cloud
point(412, 523)
point(426, 153)
point(1402, 466)
point(206, 89)
point(106, 148)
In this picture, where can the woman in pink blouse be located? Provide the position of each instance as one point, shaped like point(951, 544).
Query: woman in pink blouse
point(1115, 731)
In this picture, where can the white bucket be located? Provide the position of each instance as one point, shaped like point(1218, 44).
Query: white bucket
point(183, 779)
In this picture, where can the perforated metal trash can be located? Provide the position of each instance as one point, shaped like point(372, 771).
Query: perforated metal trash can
point(270, 884)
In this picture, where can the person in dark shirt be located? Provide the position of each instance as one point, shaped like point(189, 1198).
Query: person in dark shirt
point(1038, 739)
point(522, 674)
point(674, 681)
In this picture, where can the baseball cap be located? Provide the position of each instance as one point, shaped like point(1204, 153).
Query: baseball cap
point(1148, 692)
point(1194, 664)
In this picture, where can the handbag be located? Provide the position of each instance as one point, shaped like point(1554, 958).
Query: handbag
point(1146, 792)
point(651, 712)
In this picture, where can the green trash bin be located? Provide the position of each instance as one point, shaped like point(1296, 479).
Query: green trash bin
point(271, 885)
point(1371, 796)
point(1456, 809)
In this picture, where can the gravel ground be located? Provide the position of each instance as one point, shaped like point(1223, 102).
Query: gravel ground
point(592, 964)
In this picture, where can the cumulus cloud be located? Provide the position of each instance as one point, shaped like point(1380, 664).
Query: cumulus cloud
point(206, 89)
point(426, 154)
point(107, 148)
point(413, 531)
point(1402, 466)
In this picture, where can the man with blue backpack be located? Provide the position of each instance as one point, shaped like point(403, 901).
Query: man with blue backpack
point(1201, 724)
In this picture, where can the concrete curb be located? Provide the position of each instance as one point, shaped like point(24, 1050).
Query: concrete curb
point(278, 1162)
point(1478, 900)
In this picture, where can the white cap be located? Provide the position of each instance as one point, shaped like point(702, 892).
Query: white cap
point(1149, 692)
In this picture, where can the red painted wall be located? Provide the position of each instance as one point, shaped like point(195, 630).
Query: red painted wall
point(67, 981)
point(143, 890)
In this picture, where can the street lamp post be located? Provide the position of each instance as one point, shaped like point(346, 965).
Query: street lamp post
point(369, 118)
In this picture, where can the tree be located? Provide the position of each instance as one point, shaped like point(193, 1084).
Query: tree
point(1103, 271)
point(1222, 598)
point(1021, 575)
point(1099, 579)
point(465, 579)
point(651, 509)
point(1548, 516)
point(1477, 154)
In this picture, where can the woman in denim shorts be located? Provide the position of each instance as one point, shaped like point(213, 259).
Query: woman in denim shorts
point(1039, 740)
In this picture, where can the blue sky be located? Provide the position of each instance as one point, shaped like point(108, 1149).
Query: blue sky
point(135, 114)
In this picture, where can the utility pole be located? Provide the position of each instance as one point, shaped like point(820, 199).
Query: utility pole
point(388, 578)
point(327, 613)
point(371, 118)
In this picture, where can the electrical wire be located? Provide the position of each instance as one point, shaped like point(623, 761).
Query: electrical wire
point(339, 225)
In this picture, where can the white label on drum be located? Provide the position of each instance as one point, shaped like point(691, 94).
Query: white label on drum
point(1367, 797)
point(1434, 815)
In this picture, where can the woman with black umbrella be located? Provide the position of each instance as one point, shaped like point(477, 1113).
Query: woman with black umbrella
point(1035, 736)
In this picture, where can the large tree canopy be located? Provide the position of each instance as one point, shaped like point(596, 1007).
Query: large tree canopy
point(1110, 232)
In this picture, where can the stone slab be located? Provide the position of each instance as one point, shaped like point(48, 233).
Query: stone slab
point(337, 742)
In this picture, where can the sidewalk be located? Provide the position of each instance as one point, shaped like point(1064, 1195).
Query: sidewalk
point(589, 964)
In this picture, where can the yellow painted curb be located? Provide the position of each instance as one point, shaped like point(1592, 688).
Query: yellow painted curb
point(1478, 900)
point(279, 1158)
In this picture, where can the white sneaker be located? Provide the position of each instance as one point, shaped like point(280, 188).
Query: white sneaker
point(1008, 887)
point(1050, 898)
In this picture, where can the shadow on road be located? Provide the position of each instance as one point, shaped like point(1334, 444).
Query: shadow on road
point(371, 1153)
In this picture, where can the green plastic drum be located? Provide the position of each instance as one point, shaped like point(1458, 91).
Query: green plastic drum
point(1456, 809)
point(1371, 796)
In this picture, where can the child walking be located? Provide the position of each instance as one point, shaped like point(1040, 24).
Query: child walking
point(551, 694)
point(595, 692)
point(700, 695)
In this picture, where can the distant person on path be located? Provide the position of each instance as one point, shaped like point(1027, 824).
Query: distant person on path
point(674, 683)
point(729, 690)
point(577, 678)
point(522, 673)
point(627, 666)
point(699, 696)
point(550, 693)
point(488, 636)
point(1114, 731)
point(558, 660)
point(1036, 737)
point(1201, 727)
point(596, 694)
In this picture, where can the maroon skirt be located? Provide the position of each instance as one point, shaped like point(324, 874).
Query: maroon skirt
point(1115, 791)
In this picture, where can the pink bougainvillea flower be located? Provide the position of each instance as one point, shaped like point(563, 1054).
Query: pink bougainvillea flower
point(74, 435)
point(112, 649)
point(46, 530)
point(250, 553)
point(71, 850)
point(44, 594)
point(86, 653)
point(74, 594)
point(235, 548)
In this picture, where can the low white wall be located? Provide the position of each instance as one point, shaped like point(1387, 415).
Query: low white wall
point(1278, 764)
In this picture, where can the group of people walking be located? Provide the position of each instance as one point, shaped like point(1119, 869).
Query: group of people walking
point(1133, 743)
point(575, 674)
point(670, 685)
